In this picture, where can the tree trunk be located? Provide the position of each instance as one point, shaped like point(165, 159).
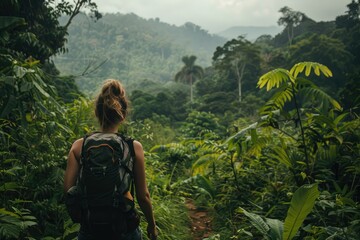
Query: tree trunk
point(290, 31)
point(191, 89)
point(240, 76)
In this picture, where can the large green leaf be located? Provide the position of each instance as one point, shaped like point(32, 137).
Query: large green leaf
point(9, 186)
point(10, 22)
point(276, 228)
point(8, 106)
point(301, 205)
point(41, 90)
point(257, 222)
point(241, 133)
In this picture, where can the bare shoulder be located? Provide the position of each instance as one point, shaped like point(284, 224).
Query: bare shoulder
point(77, 147)
point(78, 143)
point(137, 145)
point(138, 148)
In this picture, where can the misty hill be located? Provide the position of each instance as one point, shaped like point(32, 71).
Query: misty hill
point(138, 51)
point(250, 32)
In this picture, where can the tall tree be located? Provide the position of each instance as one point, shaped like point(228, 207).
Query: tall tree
point(339, 59)
point(352, 16)
point(290, 19)
point(189, 73)
point(240, 55)
point(29, 34)
point(41, 36)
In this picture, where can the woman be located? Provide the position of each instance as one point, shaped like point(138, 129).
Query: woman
point(111, 110)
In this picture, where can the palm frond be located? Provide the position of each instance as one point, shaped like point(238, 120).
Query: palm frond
point(307, 66)
point(285, 94)
point(274, 78)
point(319, 95)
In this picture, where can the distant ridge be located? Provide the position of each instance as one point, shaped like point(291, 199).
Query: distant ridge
point(250, 32)
point(136, 50)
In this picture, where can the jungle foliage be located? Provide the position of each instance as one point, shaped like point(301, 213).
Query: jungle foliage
point(277, 158)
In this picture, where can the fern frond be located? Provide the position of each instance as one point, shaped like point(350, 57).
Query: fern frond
point(213, 146)
point(325, 157)
point(14, 223)
point(281, 155)
point(307, 66)
point(10, 226)
point(274, 78)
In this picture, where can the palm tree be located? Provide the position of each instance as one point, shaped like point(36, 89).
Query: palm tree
point(189, 73)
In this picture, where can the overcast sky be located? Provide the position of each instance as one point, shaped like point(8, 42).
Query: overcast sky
point(218, 15)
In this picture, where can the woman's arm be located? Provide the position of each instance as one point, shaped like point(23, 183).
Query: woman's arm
point(72, 167)
point(142, 192)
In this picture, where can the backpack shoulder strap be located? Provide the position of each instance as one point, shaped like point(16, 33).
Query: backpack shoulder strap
point(130, 143)
point(82, 155)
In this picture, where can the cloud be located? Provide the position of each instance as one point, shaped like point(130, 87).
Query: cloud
point(228, 3)
point(218, 15)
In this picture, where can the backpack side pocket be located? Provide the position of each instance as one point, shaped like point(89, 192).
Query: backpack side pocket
point(73, 203)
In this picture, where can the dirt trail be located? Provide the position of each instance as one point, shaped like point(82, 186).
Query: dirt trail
point(200, 221)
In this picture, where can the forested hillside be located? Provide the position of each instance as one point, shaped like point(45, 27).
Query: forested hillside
point(131, 48)
point(262, 138)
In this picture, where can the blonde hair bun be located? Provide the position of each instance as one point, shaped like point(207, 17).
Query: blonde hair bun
point(111, 104)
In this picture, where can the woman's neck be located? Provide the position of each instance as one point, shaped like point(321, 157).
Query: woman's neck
point(112, 129)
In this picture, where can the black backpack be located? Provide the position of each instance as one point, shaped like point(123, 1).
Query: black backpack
point(106, 173)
